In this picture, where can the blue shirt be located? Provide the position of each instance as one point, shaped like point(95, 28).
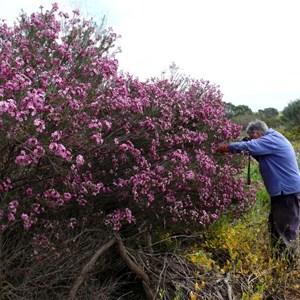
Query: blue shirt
point(277, 162)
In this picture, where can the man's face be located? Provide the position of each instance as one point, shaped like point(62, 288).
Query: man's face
point(254, 135)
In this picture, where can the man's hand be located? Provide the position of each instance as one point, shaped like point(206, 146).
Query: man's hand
point(222, 148)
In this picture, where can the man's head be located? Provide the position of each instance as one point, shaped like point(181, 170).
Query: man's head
point(256, 129)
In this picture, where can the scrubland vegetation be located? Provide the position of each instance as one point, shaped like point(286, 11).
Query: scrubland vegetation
point(111, 188)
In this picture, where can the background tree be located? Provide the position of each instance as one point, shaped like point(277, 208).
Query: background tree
point(271, 116)
point(290, 121)
point(291, 114)
point(232, 110)
point(240, 114)
point(229, 109)
point(268, 112)
point(242, 110)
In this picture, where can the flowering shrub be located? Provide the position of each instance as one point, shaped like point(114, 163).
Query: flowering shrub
point(82, 142)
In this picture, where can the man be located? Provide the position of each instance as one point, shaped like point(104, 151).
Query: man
point(279, 170)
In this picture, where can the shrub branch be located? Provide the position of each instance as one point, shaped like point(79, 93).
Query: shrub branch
point(89, 266)
point(134, 267)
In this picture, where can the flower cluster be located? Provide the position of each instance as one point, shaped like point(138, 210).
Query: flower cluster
point(81, 140)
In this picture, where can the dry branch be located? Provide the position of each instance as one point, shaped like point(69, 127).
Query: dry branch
point(88, 267)
point(136, 269)
point(229, 287)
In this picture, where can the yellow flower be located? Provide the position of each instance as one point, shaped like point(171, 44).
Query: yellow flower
point(222, 271)
point(192, 296)
point(256, 296)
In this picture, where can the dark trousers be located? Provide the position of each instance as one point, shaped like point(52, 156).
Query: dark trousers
point(284, 221)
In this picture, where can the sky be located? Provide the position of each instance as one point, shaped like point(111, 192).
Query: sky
point(249, 49)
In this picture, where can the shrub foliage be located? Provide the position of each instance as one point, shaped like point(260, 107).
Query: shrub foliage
point(80, 141)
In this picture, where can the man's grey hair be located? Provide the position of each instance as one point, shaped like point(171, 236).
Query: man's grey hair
point(257, 126)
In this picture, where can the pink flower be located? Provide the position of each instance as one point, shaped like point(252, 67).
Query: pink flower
point(55, 6)
point(190, 175)
point(29, 192)
point(53, 147)
point(123, 147)
point(56, 135)
point(11, 217)
point(33, 142)
point(27, 223)
point(67, 196)
point(97, 137)
point(79, 160)
point(40, 125)
point(13, 205)
point(82, 202)
point(24, 217)
point(23, 159)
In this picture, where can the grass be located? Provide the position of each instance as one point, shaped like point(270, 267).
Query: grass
point(241, 248)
